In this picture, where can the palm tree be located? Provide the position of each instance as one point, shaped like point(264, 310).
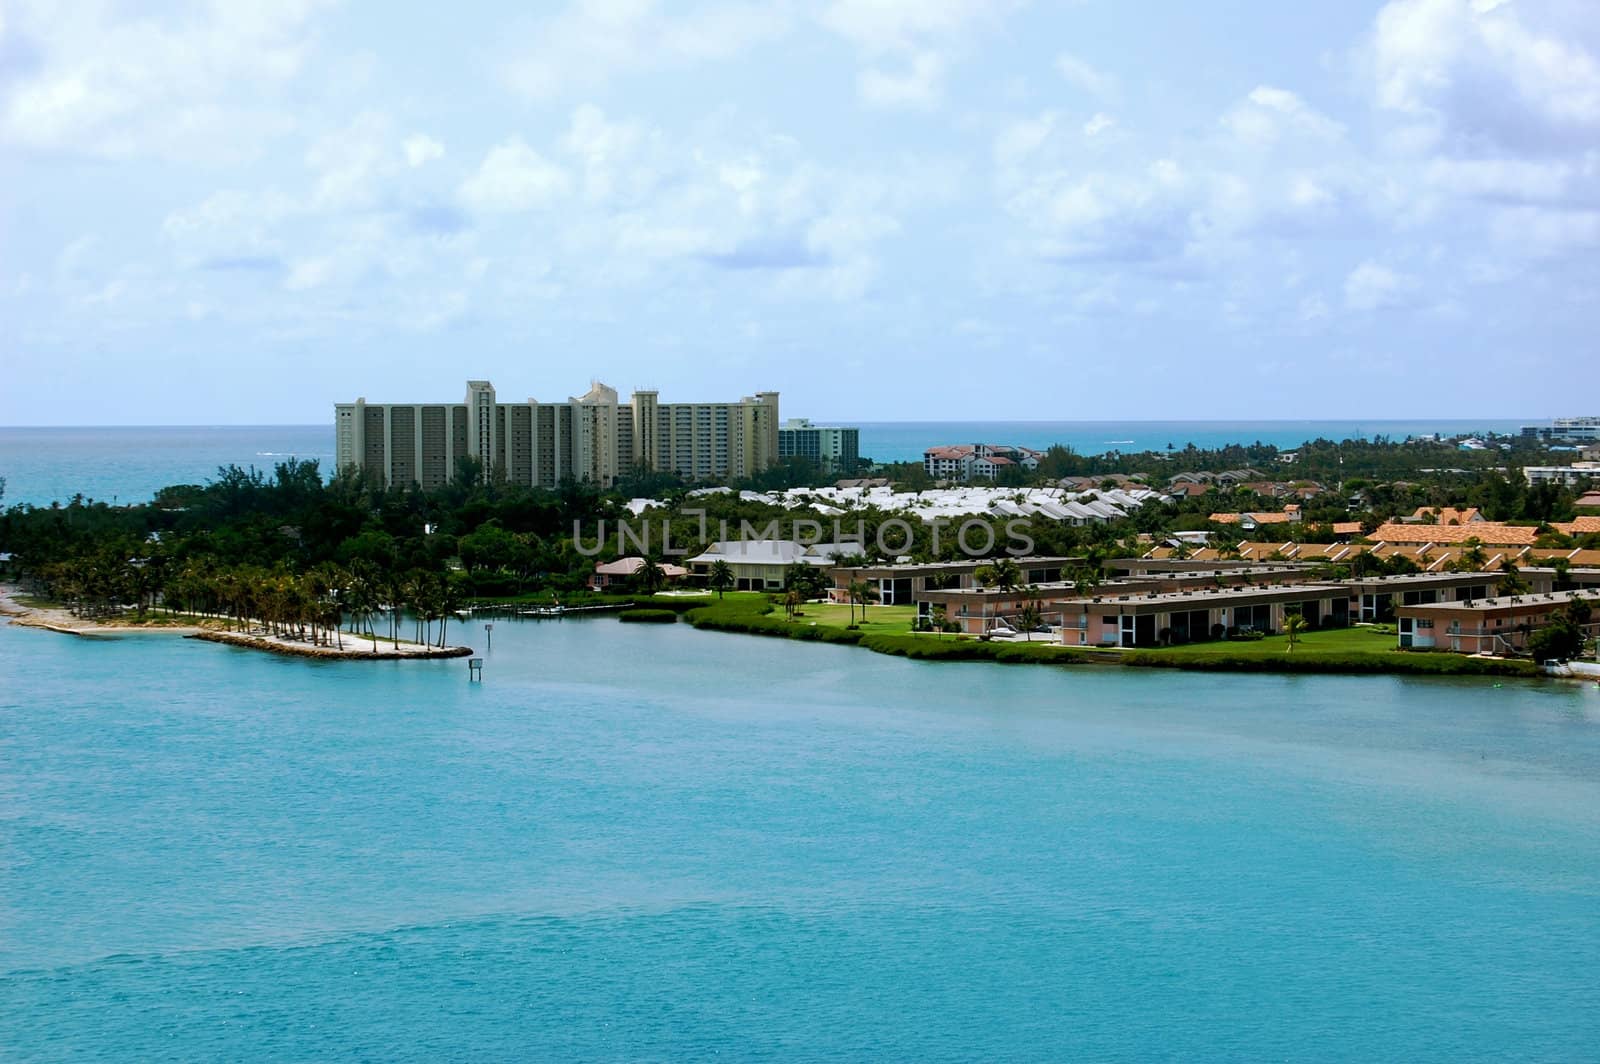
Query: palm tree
point(721, 577)
point(1031, 616)
point(449, 601)
point(791, 602)
point(860, 593)
point(651, 576)
point(1007, 574)
point(1511, 581)
point(1293, 625)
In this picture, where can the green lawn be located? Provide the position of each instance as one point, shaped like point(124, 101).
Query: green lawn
point(892, 620)
point(1334, 642)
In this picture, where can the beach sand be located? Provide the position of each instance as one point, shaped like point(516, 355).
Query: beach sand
point(56, 619)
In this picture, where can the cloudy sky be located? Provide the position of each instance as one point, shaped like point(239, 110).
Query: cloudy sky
point(886, 209)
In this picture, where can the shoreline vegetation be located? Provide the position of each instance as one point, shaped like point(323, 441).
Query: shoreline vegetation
point(253, 636)
point(308, 563)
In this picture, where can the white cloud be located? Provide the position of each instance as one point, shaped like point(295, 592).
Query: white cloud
point(1085, 77)
point(202, 85)
point(514, 177)
point(422, 149)
point(1098, 124)
point(309, 273)
point(593, 41)
point(1373, 286)
point(1020, 139)
point(352, 163)
point(1313, 308)
point(1270, 114)
point(1478, 72)
point(892, 25)
point(917, 86)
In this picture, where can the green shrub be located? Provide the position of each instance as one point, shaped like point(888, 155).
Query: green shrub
point(648, 616)
point(1414, 664)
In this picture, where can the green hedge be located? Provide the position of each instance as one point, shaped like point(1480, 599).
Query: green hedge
point(1412, 664)
point(924, 649)
point(645, 616)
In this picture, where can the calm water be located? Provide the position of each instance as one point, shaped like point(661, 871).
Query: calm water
point(130, 464)
point(648, 843)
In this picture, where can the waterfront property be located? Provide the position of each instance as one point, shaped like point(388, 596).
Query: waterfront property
point(621, 573)
point(1499, 625)
point(762, 564)
point(981, 611)
point(592, 437)
point(907, 583)
point(1156, 618)
point(1375, 598)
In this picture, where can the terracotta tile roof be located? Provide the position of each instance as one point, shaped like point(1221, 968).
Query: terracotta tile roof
point(1267, 518)
point(1488, 533)
point(1347, 528)
point(1448, 515)
point(1582, 526)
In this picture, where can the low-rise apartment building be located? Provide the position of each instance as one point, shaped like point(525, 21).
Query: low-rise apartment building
point(1156, 618)
point(977, 461)
point(1500, 625)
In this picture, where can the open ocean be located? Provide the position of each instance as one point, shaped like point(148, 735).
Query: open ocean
point(126, 465)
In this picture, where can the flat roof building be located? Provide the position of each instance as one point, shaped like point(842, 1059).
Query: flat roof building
point(593, 437)
point(1499, 625)
point(831, 448)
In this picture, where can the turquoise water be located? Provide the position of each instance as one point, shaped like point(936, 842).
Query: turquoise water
point(130, 464)
point(633, 842)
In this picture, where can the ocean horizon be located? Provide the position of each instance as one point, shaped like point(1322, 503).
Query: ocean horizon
point(128, 464)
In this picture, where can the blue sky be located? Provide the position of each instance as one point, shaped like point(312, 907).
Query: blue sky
point(885, 209)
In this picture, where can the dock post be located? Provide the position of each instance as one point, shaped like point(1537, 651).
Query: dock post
point(488, 635)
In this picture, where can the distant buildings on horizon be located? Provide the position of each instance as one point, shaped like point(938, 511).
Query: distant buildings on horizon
point(978, 461)
point(1577, 429)
point(594, 437)
point(833, 449)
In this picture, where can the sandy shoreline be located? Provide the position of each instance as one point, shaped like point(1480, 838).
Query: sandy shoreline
point(355, 648)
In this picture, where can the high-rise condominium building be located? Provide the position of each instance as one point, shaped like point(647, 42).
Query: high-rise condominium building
point(536, 444)
point(830, 448)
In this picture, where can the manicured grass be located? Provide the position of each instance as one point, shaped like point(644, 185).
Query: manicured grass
point(1331, 642)
point(1335, 650)
point(894, 620)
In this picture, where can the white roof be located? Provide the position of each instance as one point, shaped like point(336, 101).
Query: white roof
point(770, 552)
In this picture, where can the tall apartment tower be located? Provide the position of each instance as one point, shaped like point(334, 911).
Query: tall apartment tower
point(591, 437)
point(833, 449)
